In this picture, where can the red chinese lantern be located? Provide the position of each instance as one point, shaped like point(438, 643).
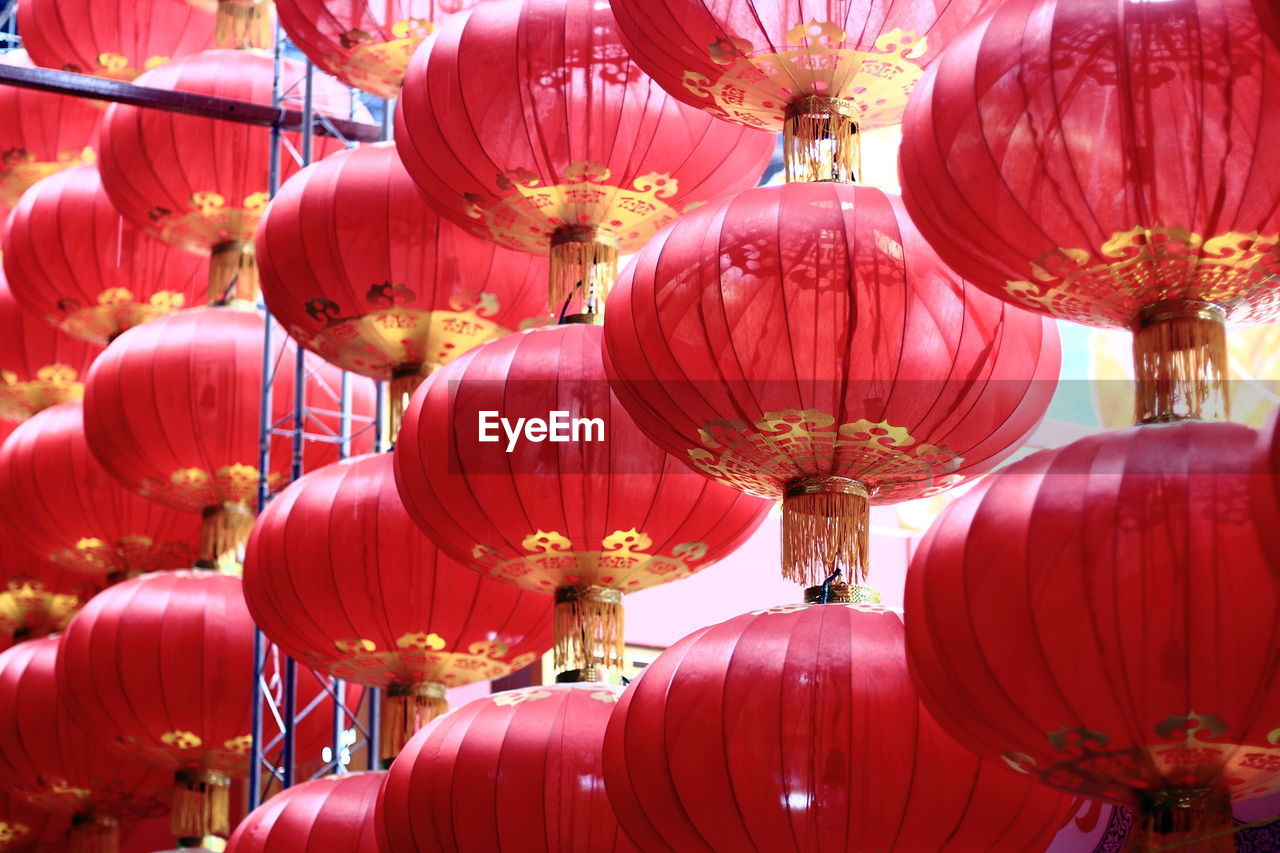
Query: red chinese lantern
point(803, 342)
point(73, 260)
point(329, 815)
point(159, 665)
point(42, 133)
point(172, 412)
point(117, 40)
point(37, 597)
point(526, 123)
point(39, 365)
point(364, 43)
point(1101, 617)
point(50, 762)
point(518, 770)
point(358, 267)
point(200, 183)
point(66, 507)
point(797, 728)
point(1096, 162)
point(421, 624)
point(588, 511)
point(25, 828)
point(819, 71)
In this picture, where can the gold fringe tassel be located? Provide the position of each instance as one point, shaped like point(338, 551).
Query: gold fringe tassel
point(233, 274)
point(243, 25)
point(399, 392)
point(825, 522)
point(820, 140)
point(1184, 821)
point(584, 263)
point(201, 804)
point(94, 834)
point(588, 628)
point(223, 533)
point(1180, 358)
point(405, 709)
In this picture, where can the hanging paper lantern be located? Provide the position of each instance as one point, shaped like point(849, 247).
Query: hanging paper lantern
point(114, 39)
point(329, 815)
point(803, 342)
point(159, 665)
point(1100, 166)
point(1101, 618)
point(421, 624)
point(42, 133)
point(820, 72)
point(518, 770)
point(526, 123)
point(172, 412)
point(25, 828)
point(797, 728)
point(73, 260)
point(37, 597)
point(360, 269)
point(39, 366)
point(69, 510)
point(592, 513)
point(200, 183)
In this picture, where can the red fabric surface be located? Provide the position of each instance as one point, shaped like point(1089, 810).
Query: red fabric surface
point(797, 728)
point(808, 330)
point(71, 259)
point(521, 118)
point(1101, 616)
point(357, 266)
point(37, 597)
point(1087, 157)
point(329, 815)
point(29, 829)
point(618, 512)
point(518, 770)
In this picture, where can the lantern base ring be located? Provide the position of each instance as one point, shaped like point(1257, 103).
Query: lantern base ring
point(842, 593)
point(94, 833)
point(1193, 819)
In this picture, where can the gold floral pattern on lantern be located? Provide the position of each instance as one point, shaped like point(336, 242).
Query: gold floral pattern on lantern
point(54, 384)
point(417, 657)
point(115, 309)
point(377, 66)
point(130, 554)
point(28, 605)
point(12, 832)
point(194, 489)
point(181, 740)
point(517, 697)
point(19, 169)
point(113, 66)
point(209, 220)
point(239, 745)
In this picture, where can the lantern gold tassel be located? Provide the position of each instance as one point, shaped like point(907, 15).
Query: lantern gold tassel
point(94, 834)
point(1186, 821)
point(201, 804)
point(820, 140)
point(588, 628)
point(1180, 358)
point(825, 523)
point(233, 274)
point(243, 25)
point(224, 531)
point(582, 256)
point(405, 709)
point(400, 390)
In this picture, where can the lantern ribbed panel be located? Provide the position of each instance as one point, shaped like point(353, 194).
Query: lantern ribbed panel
point(329, 815)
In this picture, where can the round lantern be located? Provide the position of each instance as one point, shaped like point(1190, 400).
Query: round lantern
point(527, 124)
point(803, 342)
point(518, 770)
point(820, 72)
point(43, 133)
point(421, 624)
point(584, 506)
point(834, 753)
point(117, 40)
point(37, 597)
point(1101, 618)
point(365, 44)
point(69, 510)
point(357, 266)
point(172, 411)
point(1099, 166)
point(39, 365)
point(329, 815)
point(73, 260)
point(200, 183)
point(50, 762)
point(159, 665)
point(25, 828)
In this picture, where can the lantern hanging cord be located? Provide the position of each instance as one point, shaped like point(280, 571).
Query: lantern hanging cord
point(826, 587)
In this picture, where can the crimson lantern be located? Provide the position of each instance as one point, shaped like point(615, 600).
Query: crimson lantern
point(27, 829)
point(172, 411)
point(1097, 162)
point(66, 507)
point(526, 123)
point(1101, 618)
point(329, 815)
point(201, 183)
point(73, 260)
point(37, 597)
point(158, 665)
point(803, 342)
point(595, 511)
point(518, 770)
point(360, 269)
point(421, 623)
point(821, 72)
point(39, 365)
